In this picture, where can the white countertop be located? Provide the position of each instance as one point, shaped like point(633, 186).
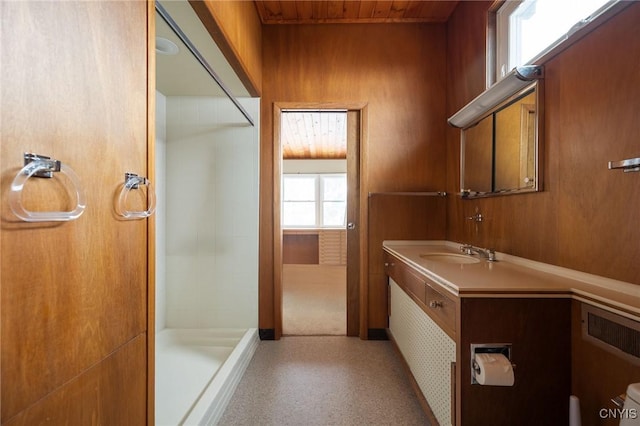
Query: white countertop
point(512, 276)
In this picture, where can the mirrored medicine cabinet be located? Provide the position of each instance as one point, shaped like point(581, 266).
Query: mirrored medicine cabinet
point(500, 150)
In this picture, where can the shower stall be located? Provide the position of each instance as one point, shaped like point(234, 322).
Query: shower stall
point(207, 185)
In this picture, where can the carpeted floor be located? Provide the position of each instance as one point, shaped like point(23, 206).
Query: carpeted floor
point(314, 300)
point(324, 380)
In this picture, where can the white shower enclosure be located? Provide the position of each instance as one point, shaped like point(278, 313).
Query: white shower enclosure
point(207, 185)
point(210, 223)
point(207, 250)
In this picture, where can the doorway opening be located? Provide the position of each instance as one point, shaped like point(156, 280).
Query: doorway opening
point(313, 217)
point(318, 203)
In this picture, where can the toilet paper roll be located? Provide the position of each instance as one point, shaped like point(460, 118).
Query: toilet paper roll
point(495, 370)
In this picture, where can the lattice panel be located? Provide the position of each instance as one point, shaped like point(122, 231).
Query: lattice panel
point(333, 247)
point(428, 350)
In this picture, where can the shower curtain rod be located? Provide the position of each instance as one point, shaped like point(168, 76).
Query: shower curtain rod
point(183, 37)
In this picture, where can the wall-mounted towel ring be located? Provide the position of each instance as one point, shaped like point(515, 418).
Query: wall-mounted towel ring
point(133, 181)
point(44, 167)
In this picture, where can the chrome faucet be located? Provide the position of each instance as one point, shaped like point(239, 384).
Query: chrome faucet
point(476, 217)
point(488, 254)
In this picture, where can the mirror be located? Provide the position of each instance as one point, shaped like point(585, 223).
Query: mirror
point(499, 153)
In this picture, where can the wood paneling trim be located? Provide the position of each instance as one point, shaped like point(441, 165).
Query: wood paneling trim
point(364, 226)
point(236, 29)
point(151, 221)
point(266, 243)
point(353, 236)
point(277, 222)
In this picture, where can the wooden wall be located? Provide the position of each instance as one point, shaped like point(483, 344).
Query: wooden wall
point(397, 217)
point(583, 219)
point(73, 85)
point(300, 249)
point(591, 365)
point(398, 71)
point(466, 78)
point(236, 28)
point(586, 217)
point(314, 246)
point(540, 394)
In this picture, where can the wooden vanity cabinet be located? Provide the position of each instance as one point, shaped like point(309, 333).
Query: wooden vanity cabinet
point(538, 329)
point(430, 296)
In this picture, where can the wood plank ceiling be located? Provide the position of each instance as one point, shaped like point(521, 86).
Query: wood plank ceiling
point(353, 11)
point(314, 134)
point(306, 135)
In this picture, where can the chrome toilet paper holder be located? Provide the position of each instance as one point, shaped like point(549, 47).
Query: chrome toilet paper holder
point(488, 348)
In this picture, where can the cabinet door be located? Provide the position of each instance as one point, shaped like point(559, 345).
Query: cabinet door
point(73, 86)
point(409, 281)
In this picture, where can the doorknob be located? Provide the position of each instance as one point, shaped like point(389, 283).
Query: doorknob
point(351, 225)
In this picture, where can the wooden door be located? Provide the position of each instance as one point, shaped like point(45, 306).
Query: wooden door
point(353, 222)
point(73, 86)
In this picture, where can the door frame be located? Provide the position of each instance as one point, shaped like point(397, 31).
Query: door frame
point(356, 291)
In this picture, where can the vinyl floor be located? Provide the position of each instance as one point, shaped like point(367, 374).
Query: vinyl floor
point(324, 380)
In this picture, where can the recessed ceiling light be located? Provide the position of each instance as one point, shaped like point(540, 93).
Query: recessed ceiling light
point(166, 47)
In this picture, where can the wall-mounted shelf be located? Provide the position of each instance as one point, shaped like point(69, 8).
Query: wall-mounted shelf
point(628, 165)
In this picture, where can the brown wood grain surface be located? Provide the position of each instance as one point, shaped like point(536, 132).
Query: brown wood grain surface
point(300, 249)
point(583, 217)
point(594, 365)
point(74, 294)
point(353, 11)
point(398, 73)
point(539, 331)
point(236, 29)
point(397, 217)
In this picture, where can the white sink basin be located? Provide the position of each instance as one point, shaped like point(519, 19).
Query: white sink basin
point(450, 258)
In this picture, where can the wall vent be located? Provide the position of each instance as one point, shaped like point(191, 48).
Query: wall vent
point(614, 333)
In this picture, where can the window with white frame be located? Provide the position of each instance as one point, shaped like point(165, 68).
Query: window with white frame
point(314, 200)
point(527, 28)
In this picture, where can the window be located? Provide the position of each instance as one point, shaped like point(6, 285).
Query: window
point(314, 200)
point(526, 29)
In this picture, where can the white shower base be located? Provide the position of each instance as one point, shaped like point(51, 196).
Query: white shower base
point(197, 371)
